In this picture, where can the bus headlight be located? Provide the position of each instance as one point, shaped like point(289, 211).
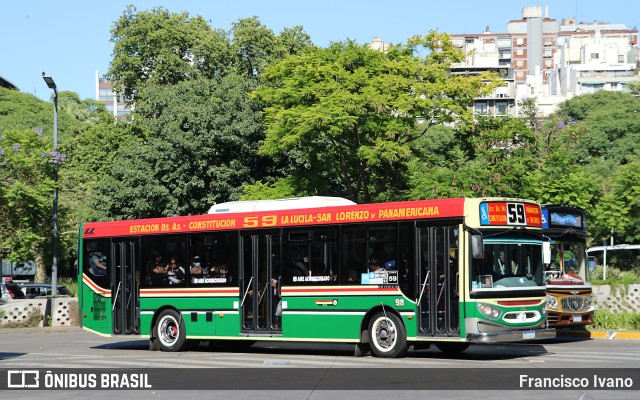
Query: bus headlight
point(489, 311)
point(552, 302)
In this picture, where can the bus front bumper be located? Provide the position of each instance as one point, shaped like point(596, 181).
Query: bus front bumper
point(511, 336)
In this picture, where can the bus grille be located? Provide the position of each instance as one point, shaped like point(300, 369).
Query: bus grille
point(575, 303)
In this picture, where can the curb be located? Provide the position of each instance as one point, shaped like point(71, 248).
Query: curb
point(611, 335)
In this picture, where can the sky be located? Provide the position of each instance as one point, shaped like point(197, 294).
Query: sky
point(70, 39)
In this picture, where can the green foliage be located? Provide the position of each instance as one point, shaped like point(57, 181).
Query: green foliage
point(163, 48)
point(491, 158)
point(606, 126)
point(634, 87)
point(23, 111)
point(620, 205)
point(346, 116)
point(604, 319)
point(198, 148)
point(281, 189)
point(26, 187)
point(69, 283)
point(615, 276)
point(255, 46)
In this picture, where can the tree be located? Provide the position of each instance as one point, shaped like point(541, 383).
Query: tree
point(620, 206)
point(164, 48)
point(26, 187)
point(345, 116)
point(23, 111)
point(634, 87)
point(197, 148)
point(492, 157)
point(255, 46)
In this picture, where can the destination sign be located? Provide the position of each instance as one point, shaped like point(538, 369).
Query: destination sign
point(510, 214)
point(420, 209)
point(562, 219)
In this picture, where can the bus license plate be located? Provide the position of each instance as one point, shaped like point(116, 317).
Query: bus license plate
point(577, 318)
point(528, 335)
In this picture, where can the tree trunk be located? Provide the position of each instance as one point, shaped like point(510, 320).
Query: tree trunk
point(41, 270)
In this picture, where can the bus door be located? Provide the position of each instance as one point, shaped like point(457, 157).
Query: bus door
point(438, 279)
point(260, 283)
point(125, 288)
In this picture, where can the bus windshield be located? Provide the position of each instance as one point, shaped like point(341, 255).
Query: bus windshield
point(568, 261)
point(508, 264)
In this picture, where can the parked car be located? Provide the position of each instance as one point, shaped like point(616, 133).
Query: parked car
point(32, 290)
point(10, 290)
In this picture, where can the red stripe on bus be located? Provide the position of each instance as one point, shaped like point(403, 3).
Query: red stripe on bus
point(93, 285)
point(376, 212)
point(519, 302)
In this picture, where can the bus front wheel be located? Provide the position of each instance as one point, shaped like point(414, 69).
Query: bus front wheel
point(387, 336)
point(170, 331)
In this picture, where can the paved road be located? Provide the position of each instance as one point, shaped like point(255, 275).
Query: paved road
point(71, 347)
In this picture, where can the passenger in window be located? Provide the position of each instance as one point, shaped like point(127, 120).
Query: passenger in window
point(514, 262)
point(156, 265)
point(175, 275)
point(214, 269)
point(485, 266)
point(276, 303)
point(318, 268)
point(97, 260)
point(351, 278)
point(196, 266)
point(375, 265)
point(296, 270)
point(223, 272)
point(196, 270)
point(502, 264)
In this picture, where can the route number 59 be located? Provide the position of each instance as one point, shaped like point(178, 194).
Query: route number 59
point(264, 221)
point(516, 214)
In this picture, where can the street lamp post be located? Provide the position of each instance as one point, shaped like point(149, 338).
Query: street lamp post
point(54, 265)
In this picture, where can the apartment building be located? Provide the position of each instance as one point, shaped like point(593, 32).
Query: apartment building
point(105, 94)
point(551, 60)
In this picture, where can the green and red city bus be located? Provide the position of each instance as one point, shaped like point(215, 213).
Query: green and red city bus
point(384, 276)
point(569, 293)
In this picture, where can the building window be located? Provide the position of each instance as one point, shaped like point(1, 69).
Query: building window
point(595, 56)
point(481, 107)
point(501, 108)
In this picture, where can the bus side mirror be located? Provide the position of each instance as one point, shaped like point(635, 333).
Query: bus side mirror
point(477, 247)
point(546, 253)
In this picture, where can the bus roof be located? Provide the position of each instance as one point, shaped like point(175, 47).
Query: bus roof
point(279, 204)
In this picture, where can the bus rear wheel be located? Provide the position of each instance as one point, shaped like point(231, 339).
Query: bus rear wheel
point(387, 336)
point(170, 331)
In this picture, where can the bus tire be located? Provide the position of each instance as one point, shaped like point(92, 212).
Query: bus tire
point(452, 348)
point(170, 331)
point(387, 336)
